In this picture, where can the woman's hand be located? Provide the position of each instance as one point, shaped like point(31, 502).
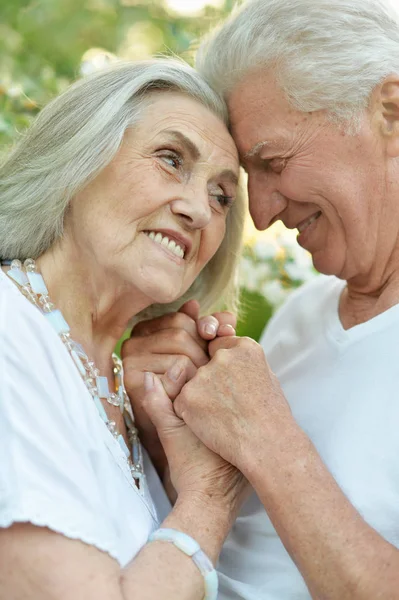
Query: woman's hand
point(235, 402)
point(172, 346)
point(197, 473)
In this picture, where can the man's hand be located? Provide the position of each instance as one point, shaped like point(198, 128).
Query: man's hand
point(235, 401)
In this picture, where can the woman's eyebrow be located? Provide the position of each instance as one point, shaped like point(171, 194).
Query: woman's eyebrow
point(195, 153)
point(183, 139)
point(230, 175)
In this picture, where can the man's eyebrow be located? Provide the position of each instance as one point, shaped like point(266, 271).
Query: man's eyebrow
point(255, 149)
point(183, 139)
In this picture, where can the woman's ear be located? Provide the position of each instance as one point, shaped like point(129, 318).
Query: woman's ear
point(385, 106)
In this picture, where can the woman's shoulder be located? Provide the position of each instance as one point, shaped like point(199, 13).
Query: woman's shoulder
point(18, 316)
point(23, 328)
point(33, 360)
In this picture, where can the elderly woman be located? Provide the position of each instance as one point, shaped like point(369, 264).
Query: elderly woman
point(120, 197)
point(313, 92)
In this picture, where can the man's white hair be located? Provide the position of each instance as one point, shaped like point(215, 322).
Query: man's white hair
point(74, 137)
point(325, 54)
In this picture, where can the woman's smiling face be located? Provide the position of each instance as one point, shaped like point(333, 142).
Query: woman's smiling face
point(155, 216)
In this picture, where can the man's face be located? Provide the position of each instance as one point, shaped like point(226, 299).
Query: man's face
point(313, 176)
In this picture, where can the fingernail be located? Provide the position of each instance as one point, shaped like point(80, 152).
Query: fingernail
point(148, 381)
point(175, 371)
point(210, 329)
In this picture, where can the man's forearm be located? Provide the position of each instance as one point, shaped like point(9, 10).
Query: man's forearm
point(338, 554)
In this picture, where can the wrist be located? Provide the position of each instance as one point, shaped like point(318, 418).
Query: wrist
point(272, 452)
point(205, 521)
point(193, 550)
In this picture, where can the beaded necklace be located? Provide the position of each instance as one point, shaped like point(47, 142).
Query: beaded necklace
point(33, 287)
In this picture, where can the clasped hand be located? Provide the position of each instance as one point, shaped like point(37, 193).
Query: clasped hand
point(225, 400)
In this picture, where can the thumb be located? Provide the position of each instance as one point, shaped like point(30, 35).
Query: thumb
point(224, 342)
point(157, 404)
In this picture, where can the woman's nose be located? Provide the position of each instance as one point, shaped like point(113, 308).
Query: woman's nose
point(193, 207)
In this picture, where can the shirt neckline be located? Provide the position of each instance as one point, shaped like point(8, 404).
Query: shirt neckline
point(334, 325)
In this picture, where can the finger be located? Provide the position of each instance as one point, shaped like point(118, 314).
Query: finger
point(171, 321)
point(167, 341)
point(191, 309)
point(148, 435)
point(224, 342)
point(134, 373)
point(136, 394)
point(226, 330)
point(175, 378)
point(226, 318)
point(176, 320)
point(157, 404)
point(208, 327)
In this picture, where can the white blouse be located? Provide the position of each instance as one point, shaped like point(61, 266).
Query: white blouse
point(60, 467)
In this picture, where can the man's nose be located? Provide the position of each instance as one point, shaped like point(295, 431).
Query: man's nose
point(265, 201)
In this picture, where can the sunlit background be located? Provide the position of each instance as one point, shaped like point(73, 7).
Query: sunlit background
point(191, 7)
point(47, 44)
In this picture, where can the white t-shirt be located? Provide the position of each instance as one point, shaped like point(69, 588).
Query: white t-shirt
point(60, 467)
point(343, 389)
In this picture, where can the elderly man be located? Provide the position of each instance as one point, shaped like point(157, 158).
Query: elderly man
point(313, 92)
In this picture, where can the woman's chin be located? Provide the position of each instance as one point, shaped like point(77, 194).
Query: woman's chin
point(165, 295)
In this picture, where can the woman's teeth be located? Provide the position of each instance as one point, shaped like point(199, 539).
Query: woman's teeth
point(163, 240)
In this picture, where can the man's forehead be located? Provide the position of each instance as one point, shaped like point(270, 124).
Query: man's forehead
point(259, 112)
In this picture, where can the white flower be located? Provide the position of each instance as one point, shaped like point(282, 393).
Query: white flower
point(274, 292)
point(251, 274)
point(293, 249)
point(95, 60)
point(299, 271)
point(265, 250)
point(14, 91)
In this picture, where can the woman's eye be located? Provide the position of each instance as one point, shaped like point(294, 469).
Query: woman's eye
point(173, 159)
point(223, 200)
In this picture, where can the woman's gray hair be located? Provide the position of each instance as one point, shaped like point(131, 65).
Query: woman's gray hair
point(325, 54)
point(74, 137)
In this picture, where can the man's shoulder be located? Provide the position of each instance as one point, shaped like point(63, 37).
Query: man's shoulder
point(304, 306)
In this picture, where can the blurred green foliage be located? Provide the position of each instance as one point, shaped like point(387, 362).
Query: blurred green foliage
point(42, 43)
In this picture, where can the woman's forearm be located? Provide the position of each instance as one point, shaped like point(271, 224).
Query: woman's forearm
point(39, 564)
point(163, 571)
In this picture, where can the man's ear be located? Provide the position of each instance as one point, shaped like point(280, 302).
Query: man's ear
point(385, 106)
